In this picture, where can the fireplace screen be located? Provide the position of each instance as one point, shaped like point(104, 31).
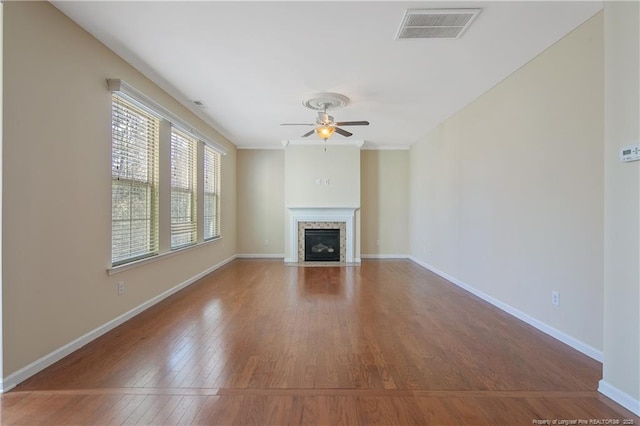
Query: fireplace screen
point(322, 245)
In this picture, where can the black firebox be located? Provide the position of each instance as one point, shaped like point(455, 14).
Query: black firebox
point(322, 245)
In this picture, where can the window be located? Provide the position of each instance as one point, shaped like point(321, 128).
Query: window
point(165, 185)
point(211, 193)
point(184, 150)
point(134, 182)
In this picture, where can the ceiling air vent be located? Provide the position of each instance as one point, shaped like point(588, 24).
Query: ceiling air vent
point(436, 23)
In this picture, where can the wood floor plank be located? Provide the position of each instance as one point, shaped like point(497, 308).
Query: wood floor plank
point(31, 406)
point(12, 405)
point(160, 411)
point(64, 411)
point(147, 408)
point(186, 410)
point(259, 342)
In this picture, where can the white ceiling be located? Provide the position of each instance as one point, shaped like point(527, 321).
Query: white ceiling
point(252, 63)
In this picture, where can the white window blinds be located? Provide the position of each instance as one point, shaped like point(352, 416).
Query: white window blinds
point(134, 182)
point(183, 189)
point(211, 193)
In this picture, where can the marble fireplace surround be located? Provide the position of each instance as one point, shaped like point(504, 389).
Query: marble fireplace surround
point(299, 215)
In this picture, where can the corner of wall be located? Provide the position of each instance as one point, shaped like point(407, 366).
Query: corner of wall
point(1, 186)
point(621, 335)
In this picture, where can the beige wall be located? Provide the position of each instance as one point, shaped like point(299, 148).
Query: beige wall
point(385, 203)
point(507, 195)
point(384, 198)
point(57, 188)
point(621, 372)
point(306, 165)
point(261, 202)
point(1, 133)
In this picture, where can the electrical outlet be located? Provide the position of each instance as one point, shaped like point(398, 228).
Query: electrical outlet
point(266, 242)
point(555, 298)
point(120, 288)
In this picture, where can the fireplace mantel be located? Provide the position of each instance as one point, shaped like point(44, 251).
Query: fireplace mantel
point(321, 214)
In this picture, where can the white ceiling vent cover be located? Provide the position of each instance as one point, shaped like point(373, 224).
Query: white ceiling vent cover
point(436, 23)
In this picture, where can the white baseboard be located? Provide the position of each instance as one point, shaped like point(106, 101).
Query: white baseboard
point(24, 373)
point(384, 256)
point(622, 398)
point(260, 256)
point(553, 332)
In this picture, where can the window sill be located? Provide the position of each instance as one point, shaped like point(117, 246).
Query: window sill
point(121, 268)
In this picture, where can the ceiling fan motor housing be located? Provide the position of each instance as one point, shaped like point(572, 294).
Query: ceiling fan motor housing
point(324, 119)
point(326, 125)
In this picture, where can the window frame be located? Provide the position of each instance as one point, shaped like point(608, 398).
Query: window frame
point(122, 106)
point(167, 122)
point(186, 185)
point(215, 194)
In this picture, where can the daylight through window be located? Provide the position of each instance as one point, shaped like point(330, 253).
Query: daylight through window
point(160, 168)
point(211, 193)
point(134, 182)
point(183, 189)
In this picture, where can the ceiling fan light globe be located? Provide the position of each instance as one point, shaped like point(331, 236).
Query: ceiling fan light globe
point(325, 132)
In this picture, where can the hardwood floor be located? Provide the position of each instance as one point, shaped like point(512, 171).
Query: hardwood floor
point(258, 342)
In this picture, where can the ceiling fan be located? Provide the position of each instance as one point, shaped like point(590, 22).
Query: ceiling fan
point(325, 124)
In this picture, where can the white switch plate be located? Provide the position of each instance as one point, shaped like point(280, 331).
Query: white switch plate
point(630, 153)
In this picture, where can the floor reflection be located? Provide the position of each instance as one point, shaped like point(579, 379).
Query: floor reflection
point(325, 281)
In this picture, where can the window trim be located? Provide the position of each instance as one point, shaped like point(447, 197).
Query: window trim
point(152, 219)
point(216, 194)
point(112, 270)
point(191, 162)
point(125, 91)
point(118, 86)
point(122, 104)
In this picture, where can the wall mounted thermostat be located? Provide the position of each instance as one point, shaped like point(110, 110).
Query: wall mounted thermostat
point(630, 153)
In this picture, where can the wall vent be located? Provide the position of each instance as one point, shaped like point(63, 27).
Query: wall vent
point(436, 23)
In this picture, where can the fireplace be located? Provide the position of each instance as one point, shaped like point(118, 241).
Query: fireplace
point(322, 245)
point(303, 218)
point(323, 229)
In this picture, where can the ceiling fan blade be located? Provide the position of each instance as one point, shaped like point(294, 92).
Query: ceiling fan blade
point(342, 132)
point(352, 123)
point(309, 133)
point(297, 124)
